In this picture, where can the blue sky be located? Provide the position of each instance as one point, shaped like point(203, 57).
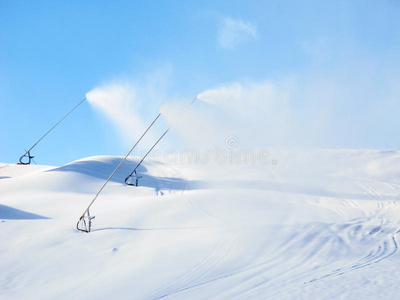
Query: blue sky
point(54, 52)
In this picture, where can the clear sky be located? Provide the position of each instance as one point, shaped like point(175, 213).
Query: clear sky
point(54, 52)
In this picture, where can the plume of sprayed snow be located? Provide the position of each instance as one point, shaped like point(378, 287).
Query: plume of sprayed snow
point(257, 113)
point(131, 105)
point(317, 109)
point(120, 105)
point(305, 112)
point(195, 126)
point(254, 101)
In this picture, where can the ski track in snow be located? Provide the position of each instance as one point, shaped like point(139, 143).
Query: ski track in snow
point(312, 245)
point(307, 239)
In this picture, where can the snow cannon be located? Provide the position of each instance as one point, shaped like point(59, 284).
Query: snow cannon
point(27, 153)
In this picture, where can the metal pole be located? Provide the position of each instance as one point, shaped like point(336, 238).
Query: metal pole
point(27, 152)
point(148, 152)
point(87, 228)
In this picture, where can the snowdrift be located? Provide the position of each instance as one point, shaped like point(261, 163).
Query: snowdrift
point(319, 224)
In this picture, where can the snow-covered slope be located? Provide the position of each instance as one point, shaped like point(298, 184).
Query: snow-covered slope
point(319, 224)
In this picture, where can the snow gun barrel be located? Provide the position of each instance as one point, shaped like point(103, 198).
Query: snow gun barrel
point(82, 225)
point(133, 173)
point(27, 153)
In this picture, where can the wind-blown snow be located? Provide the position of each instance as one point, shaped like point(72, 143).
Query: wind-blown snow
point(319, 224)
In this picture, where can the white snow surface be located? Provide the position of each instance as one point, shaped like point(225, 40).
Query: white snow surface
point(320, 224)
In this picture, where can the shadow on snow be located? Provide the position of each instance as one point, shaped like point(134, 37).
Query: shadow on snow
point(10, 213)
